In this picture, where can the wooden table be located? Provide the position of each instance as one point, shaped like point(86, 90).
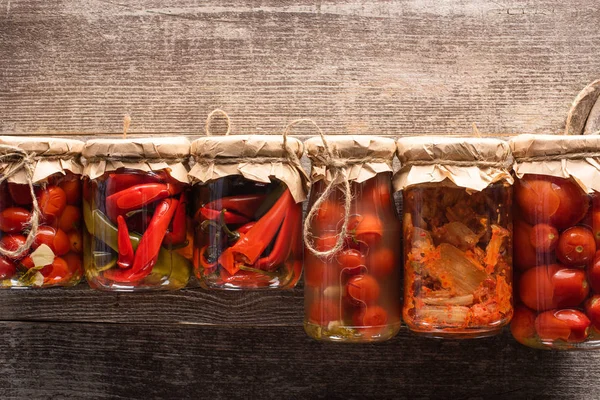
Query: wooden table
point(366, 67)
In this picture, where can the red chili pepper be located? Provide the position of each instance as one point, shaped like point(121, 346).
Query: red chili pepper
point(244, 205)
point(177, 233)
point(251, 245)
point(283, 241)
point(246, 279)
point(246, 228)
point(149, 246)
point(138, 196)
point(214, 215)
point(126, 253)
point(124, 180)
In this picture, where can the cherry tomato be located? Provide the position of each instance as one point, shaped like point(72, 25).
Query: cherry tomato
point(576, 246)
point(319, 274)
point(323, 312)
point(592, 310)
point(568, 325)
point(328, 216)
point(369, 229)
point(559, 202)
point(70, 219)
point(7, 268)
point(14, 219)
point(72, 189)
point(21, 194)
point(52, 202)
point(543, 237)
point(325, 243)
point(382, 262)
point(60, 273)
point(593, 273)
point(56, 239)
point(363, 289)
point(553, 286)
point(522, 325)
point(595, 224)
point(376, 192)
point(374, 316)
point(76, 242)
point(74, 262)
point(12, 242)
point(351, 261)
point(524, 253)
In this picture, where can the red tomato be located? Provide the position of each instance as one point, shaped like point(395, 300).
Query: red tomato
point(327, 217)
point(319, 274)
point(76, 242)
point(56, 239)
point(351, 261)
point(70, 219)
point(363, 289)
point(543, 237)
point(21, 194)
point(576, 246)
point(72, 189)
point(323, 312)
point(382, 262)
point(369, 229)
point(568, 325)
point(14, 219)
point(553, 286)
point(524, 254)
point(593, 273)
point(60, 273)
point(377, 193)
point(374, 316)
point(7, 268)
point(12, 242)
point(74, 262)
point(522, 325)
point(592, 309)
point(52, 202)
point(596, 225)
point(543, 199)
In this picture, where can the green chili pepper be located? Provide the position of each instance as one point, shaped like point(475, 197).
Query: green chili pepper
point(169, 265)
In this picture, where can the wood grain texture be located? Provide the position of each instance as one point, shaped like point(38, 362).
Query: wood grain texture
point(46, 360)
point(367, 66)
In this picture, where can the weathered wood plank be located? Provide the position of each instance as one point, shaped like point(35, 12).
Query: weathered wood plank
point(130, 361)
point(399, 67)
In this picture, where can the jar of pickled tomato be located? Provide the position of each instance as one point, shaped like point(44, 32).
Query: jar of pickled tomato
point(135, 196)
point(557, 241)
point(247, 211)
point(457, 235)
point(40, 212)
point(351, 273)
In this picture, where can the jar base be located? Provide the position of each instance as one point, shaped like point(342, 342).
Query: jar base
point(352, 334)
point(457, 334)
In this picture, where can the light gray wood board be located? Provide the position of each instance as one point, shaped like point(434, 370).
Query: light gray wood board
point(379, 67)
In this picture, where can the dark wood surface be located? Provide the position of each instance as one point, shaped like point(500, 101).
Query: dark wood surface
point(379, 67)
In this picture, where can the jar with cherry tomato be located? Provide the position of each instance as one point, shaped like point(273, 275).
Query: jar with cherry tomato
point(557, 241)
point(352, 255)
point(457, 228)
point(40, 212)
point(247, 211)
point(135, 200)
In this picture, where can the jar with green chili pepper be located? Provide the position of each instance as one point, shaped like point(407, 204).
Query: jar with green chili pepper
point(40, 212)
point(135, 198)
point(247, 215)
point(352, 258)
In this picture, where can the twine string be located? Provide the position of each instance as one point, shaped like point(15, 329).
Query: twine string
point(26, 162)
point(210, 117)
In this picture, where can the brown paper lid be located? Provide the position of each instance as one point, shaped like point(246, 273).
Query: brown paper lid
point(468, 162)
point(50, 155)
point(576, 157)
point(255, 157)
point(144, 154)
point(358, 157)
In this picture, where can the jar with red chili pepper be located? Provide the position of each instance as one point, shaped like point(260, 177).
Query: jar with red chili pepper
point(557, 241)
point(40, 212)
point(352, 279)
point(457, 235)
point(135, 198)
point(247, 211)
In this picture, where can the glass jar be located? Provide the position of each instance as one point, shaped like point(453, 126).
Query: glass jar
point(247, 214)
point(135, 196)
point(352, 281)
point(53, 257)
point(457, 235)
point(557, 235)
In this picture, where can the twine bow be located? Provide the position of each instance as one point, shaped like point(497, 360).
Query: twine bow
point(21, 160)
point(336, 166)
